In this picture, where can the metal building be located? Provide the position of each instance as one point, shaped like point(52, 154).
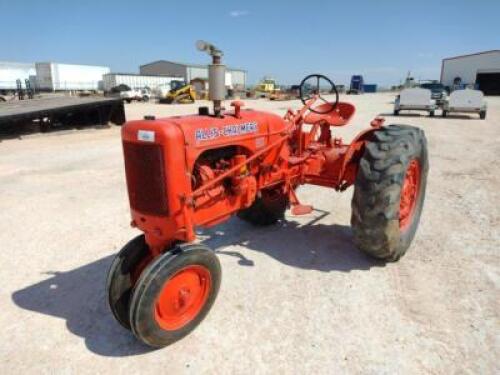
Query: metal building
point(481, 70)
point(136, 81)
point(235, 78)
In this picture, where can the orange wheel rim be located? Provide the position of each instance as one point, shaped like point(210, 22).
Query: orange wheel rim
point(409, 195)
point(182, 297)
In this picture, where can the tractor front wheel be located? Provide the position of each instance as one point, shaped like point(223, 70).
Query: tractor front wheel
point(269, 207)
point(389, 191)
point(122, 276)
point(174, 294)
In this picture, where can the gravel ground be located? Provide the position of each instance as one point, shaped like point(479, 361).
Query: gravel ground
point(295, 298)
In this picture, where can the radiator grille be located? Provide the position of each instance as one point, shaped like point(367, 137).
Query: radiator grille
point(146, 181)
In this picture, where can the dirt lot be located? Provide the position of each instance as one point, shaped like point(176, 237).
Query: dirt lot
point(295, 298)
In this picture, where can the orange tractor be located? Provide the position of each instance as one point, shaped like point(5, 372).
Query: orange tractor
point(194, 171)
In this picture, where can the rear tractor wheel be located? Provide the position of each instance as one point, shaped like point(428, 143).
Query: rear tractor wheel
point(267, 209)
point(174, 294)
point(482, 115)
point(389, 191)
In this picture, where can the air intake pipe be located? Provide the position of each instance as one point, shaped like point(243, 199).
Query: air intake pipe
point(216, 75)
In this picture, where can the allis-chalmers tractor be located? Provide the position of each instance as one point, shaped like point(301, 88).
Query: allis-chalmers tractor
point(194, 171)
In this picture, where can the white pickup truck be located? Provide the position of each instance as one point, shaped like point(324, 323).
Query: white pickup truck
point(136, 94)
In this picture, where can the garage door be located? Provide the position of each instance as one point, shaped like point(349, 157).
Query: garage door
point(489, 83)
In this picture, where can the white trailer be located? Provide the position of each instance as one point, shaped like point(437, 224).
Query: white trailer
point(65, 77)
point(11, 71)
point(468, 101)
point(136, 81)
point(415, 99)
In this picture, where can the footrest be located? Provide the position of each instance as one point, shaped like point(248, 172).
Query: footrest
point(301, 209)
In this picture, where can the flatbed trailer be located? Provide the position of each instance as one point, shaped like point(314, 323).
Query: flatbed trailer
point(63, 110)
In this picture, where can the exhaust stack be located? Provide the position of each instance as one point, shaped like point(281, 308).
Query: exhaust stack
point(216, 75)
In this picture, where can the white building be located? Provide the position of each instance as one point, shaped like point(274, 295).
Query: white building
point(60, 77)
point(10, 72)
point(235, 78)
point(479, 69)
point(136, 81)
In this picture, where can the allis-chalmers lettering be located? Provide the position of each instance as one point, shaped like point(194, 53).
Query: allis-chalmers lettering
point(206, 134)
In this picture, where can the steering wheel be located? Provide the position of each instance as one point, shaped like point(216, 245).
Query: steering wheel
point(311, 86)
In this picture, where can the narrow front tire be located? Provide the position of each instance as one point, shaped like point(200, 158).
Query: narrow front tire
point(174, 294)
point(122, 275)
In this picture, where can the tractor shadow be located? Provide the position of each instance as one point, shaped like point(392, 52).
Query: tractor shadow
point(79, 296)
point(310, 245)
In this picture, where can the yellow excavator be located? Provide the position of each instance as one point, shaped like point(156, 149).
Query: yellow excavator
point(180, 92)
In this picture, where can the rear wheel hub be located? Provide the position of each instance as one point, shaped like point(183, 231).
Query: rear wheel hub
point(409, 194)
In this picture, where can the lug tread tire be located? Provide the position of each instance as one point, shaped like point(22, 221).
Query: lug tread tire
point(376, 199)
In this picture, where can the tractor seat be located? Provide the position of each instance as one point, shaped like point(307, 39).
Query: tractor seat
point(340, 116)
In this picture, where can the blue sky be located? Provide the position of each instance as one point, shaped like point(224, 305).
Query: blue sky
point(285, 39)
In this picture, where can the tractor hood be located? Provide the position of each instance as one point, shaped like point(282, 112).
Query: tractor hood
point(209, 131)
point(197, 133)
